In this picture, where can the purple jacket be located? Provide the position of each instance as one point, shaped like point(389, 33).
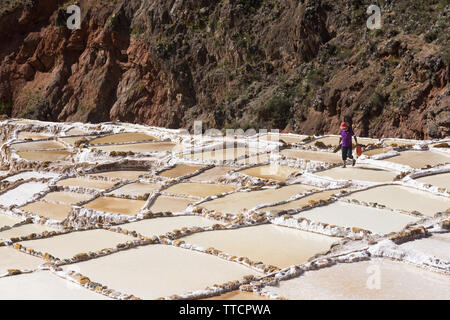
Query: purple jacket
point(347, 137)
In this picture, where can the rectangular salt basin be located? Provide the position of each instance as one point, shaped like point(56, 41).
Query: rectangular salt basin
point(86, 183)
point(23, 135)
point(399, 197)
point(420, 159)
point(360, 172)
point(22, 193)
point(437, 245)
point(51, 155)
point(180, 170)
point(25, 230)
point(66, 246)
point(222, 154)
point(374, 152)
point(116, 205)
point(14, 259)
point(285, 137)
point(38, 145)
point(49, 210)
point(297, 204)
point(236, 202)
point(160, 226)
point(212, 174)
point(138, 147)
point(8, 221)
point(136, 189)
point(350, 215)
point(161, 271)
point(272, 172)
point(42, 285)
point(31, 174)
point(352, 281)
point(72, 140)
point(327, 157)
point(170, 204)
point(441, 180)
point(120, 174)
point(199, 189)
point(123, 138)
point(66, 197)
point(274, 245)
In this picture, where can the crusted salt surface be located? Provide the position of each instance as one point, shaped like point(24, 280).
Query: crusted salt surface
point(349, 215)
point(270, 244)
point(31, 174)
point(68, 245)
point(43, 285)
point(21, 194)
point(160, 226)
point(161, 270)
point(406, 198)
point(375, 279)
point(12, 259)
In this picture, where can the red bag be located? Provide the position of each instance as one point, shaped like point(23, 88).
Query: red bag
point(358, 150)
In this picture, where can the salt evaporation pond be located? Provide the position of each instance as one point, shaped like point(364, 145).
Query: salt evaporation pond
point(137, 147)
point(43, 285)
point(274, 245)
point(86, 183)
point(272, 172)
point(355, 281)
point(136, 189)
point(120, 174)
point(21, 194)
point(180, 170)
point(420, 159)
point(25, 230)
point(14, 259)
point(222, 154)
point(297, 204)
point(312, 155)
point(8, 221)
point(212, 174)
point(72, 140)
point(437, 245)
point(161, 271)
point(170, 204)
point(285, 137)
point(123, 138)
point(31, 174)
point(160, 226)
point(66, 197)
point(45, 155)
point(116, 205)
point(38, 145)
point(66, 246)
point(23, 135)
point(359, 172)
point(199, 189)
point(334, 141)
point(350, 215)
point(374, 152)
point(55, 211)
point(441, 180)
point(236, 202)
point(404, 198)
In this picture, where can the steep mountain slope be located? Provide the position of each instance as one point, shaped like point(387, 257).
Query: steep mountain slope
point(295, 65)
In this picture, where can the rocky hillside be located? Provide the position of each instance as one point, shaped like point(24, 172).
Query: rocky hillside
point(296, 65)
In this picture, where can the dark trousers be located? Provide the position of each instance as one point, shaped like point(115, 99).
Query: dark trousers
point(347, 153)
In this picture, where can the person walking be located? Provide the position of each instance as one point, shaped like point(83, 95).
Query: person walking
point(346, 139)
